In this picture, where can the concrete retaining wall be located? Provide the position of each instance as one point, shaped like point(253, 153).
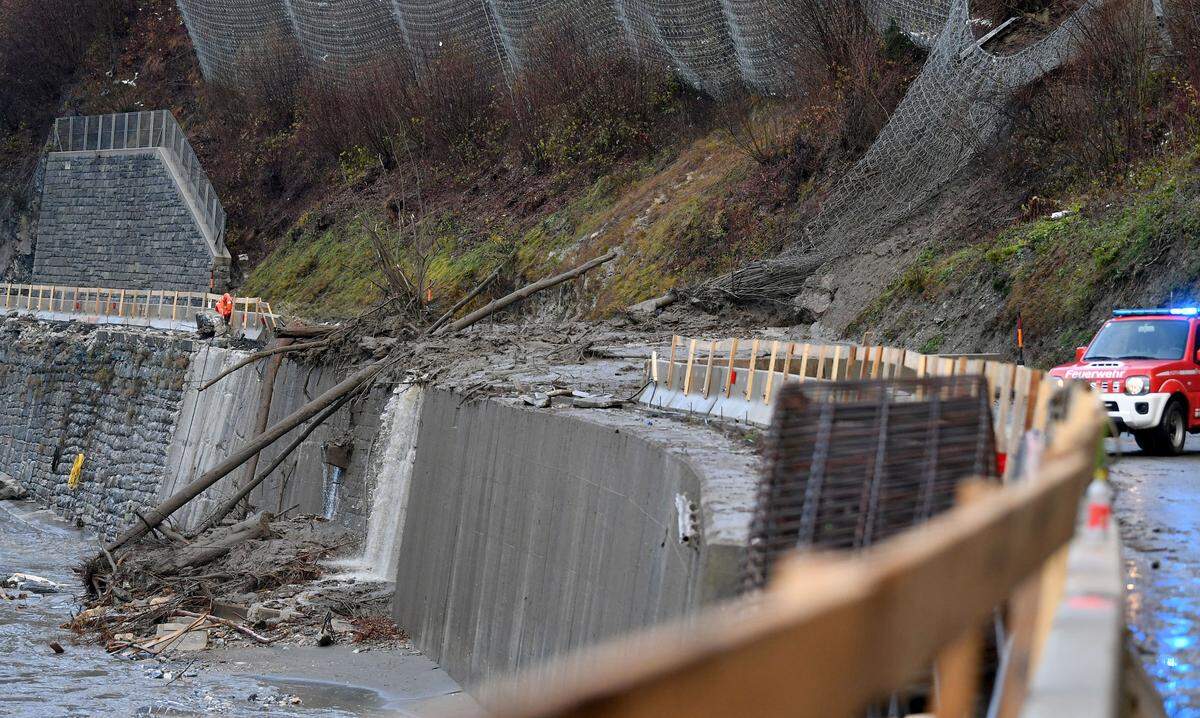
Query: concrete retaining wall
point(529, 533)
point(119, 219)
point(214, 423)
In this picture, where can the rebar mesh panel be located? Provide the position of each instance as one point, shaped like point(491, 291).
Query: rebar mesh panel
point(850, 464)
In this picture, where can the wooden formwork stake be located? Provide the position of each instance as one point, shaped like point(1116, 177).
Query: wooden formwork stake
point(876, 364)
point(729, 370)
point(837, 357)
point(820, 362)
point(1004, 403)
point(804, 362)
point(687, 377)
point(787, 362)
point(712, 349)
point(175, 306)
point(770, 372)
point(671, 361)
point(750, 367)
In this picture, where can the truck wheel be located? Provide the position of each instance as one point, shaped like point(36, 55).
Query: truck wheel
point(1166, 439)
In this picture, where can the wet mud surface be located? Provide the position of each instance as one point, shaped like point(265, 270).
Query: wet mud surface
point(1158, 509)
point(86, 681)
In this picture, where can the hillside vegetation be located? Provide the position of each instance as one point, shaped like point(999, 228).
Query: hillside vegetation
point(454, 174)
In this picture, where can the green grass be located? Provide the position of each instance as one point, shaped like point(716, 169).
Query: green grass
point(1055, 272)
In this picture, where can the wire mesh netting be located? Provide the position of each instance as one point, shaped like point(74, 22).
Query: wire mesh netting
point(849, 464)
point(953, 112)
point(713, 44)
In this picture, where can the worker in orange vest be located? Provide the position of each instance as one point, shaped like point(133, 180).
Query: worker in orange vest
point(225, 307)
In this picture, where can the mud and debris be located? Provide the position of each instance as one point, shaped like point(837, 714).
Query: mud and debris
point(269, 586)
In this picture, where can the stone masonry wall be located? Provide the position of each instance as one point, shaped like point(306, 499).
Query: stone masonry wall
point(112, 395)
point(119, 220)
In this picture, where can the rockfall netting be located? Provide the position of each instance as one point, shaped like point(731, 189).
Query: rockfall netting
point(713, 44)
point(953, 111)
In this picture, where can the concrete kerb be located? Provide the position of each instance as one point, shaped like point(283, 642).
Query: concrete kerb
point(1079, 674)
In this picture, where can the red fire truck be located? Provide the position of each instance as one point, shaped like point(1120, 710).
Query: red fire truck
point(1145, 364)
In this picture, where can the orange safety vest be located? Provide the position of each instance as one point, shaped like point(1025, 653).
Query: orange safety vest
point(225, 306)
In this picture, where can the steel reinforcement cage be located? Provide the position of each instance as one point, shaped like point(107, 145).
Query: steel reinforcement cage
point(849, 464)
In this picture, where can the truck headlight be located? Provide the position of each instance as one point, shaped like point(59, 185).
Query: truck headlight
point(1137, 385)
point(1057, 382)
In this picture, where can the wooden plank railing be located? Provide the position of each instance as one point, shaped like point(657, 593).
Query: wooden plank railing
point(710, 368)
point(830, 636)
point(114, 305)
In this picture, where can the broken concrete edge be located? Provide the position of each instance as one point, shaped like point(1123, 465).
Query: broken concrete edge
point(1080, 669)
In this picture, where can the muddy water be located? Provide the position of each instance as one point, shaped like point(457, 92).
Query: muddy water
point(86, 681)
point(1158, 508)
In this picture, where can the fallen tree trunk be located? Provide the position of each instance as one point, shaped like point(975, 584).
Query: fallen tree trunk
point(297, 330)
point(527, 291)
point(160, 513)
point(218, 544)
point(283, 348)
point(224, 509)
point(650, 306)
point(465, 300)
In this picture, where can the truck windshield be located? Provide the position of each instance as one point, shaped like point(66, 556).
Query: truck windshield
point(1140, 339)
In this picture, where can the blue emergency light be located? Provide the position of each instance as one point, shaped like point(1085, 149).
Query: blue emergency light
point(1177, 311)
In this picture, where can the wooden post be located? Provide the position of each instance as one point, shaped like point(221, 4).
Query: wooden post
point(820, 362)
point(804, 362)
point(671, 361)
point(770, 372)
point(787, 362)
point(175, 305)
point(712, 349)
point(729, 370)
point(875, 366)
point(687, 377)
point(750, 366)
point(1004, 387)
point(7, 292)
point(837, 356)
